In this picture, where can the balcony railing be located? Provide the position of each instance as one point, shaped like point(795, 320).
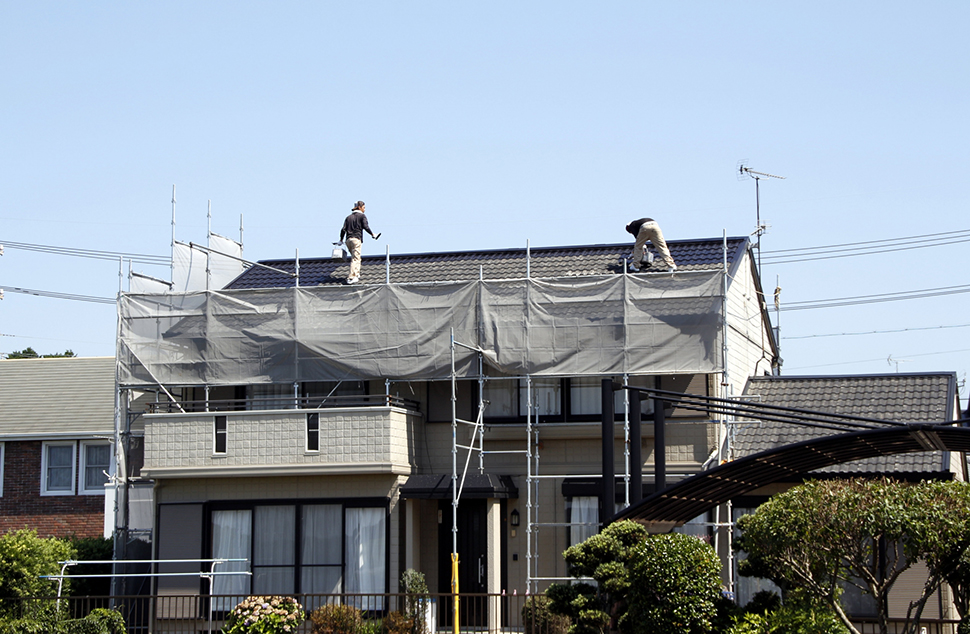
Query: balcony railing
point(283, 402)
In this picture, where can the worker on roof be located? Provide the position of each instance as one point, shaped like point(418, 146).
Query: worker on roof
point(647, 229)
point(354, 227)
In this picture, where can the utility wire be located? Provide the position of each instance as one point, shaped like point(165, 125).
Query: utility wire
point(843, 253)
point(139, 258)
point(875, 299)
point(877, 332)
point(962, 233)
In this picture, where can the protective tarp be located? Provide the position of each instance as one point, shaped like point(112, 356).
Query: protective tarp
point(567, 327)
point(223, 269)
point(139, 284)
point(188, 274)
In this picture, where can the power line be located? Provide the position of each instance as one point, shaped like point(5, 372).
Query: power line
point(829, 253)
point(139, 258)
point(875, 299)
point(877, 332)
point(852, 244)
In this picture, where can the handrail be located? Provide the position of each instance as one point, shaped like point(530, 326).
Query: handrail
point(282, 402)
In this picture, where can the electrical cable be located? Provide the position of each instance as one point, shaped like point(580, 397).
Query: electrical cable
point(875, 299)
point(139, 258)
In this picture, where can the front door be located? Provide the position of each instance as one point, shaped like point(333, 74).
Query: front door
point(472, 560)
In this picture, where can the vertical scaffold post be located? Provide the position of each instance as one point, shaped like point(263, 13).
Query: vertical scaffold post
point(454, 486)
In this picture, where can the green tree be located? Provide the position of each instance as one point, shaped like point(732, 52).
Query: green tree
point(30, 353)
point(648, 584)
point(24, 558)
point(822, 535)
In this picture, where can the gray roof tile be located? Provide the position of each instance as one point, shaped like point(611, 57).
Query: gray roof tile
point(544, 262)
point(904, 398)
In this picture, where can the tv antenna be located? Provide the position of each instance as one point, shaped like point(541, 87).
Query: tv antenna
point(744, 170)
point(892, 361)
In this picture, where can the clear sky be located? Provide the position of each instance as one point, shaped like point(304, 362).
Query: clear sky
point(486, 125)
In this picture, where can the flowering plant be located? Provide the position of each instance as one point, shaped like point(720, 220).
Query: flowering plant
point(264, 615)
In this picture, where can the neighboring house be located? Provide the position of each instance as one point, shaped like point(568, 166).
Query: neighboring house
point(903, 398)
point(56, 430)
point(307, 426)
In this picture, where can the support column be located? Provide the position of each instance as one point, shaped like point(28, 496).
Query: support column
point(608, 494)
point(659, 445)
point(412, 535)
point(493, 566)
point(636, 448)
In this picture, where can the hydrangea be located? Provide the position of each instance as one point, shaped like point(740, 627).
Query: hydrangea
point(265, 615)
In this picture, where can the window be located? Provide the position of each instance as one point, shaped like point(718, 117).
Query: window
point(546, 397)
point(313, 431)
point(586, 394)
point(96, 465)
point(302, 548)
point(58, 468)
point(501, 398)
point(220, 433)
point(583, 511)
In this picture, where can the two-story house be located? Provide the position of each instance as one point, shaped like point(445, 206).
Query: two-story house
point(57, 425)
point(315, 428)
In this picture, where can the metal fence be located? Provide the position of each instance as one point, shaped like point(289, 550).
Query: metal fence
point(204, 614)
point(477, 613)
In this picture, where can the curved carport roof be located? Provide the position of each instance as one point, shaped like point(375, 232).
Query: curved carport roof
point(693, 496)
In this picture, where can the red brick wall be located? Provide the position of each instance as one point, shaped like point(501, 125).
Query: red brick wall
point(22, 505)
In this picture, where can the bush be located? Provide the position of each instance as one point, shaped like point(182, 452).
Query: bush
point(582, 605)
point(25, 626)
point(264, 615)
point(398, 623)
point(675, 583)
point(91, 549)
point(790, 620)
point(537, 618)
point(25, 557)
point(335, 619)
point(416, 590)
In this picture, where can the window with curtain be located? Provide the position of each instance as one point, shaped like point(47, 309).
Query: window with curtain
point(585, 397)
point(546, 397)
point(96, 464)
point(501, 397)
point(364, 538)
point(57, 468)
point(311, 548)
point(583, 518)
point(231, 539)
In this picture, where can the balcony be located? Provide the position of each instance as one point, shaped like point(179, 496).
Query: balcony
point(338, 435)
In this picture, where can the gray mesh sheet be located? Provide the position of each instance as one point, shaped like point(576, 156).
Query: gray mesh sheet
point(564, 327)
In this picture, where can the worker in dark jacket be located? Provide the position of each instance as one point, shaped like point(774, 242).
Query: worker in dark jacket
point(647, 229)
point(354, 227)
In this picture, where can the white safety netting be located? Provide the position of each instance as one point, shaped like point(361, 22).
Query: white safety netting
point(564, 327)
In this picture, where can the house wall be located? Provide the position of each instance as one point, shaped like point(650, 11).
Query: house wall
point(358, 439)
point(22, 505)
point(748, 338)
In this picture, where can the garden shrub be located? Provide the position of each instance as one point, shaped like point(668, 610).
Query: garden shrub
point(416, 597)
point(334, 618)
point(398, 623)
point(790, 620)
point(264, 615)
point(674, 586)
point(537, 618)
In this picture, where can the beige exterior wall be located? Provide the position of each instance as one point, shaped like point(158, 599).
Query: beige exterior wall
point(355, 440)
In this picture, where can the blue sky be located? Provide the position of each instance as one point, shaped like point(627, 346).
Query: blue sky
point(486, 125)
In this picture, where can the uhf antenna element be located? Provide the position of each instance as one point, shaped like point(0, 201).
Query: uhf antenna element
point(745, 171)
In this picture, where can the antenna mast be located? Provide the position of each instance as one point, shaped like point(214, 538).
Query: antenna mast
point(744, 170)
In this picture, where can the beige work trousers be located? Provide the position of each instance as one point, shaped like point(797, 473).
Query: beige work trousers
point(651, 231)
point(353, 245)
